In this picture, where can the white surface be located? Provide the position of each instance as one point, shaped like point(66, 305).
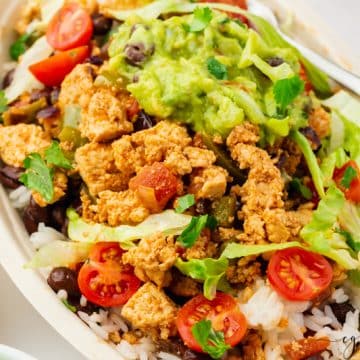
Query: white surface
point(22, 327)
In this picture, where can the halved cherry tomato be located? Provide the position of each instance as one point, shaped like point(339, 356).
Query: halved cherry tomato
point(303, 76)
point(305, 348)
point(71, 27)
point(103, 280)
point(298, 274)
point(52, 71)
point(240, 3)
point(155, 185)
point(223, 313)
point(353, 192)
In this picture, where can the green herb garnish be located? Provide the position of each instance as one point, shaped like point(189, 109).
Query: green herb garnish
point(286, 91)
point(349, 175)
point(38, 176)
point(217, 69)
point(298, 186)
point(18, 47)
point(69, 306)
point(54, 155)
point(212, 342)
point(184, 203)
point(202, 18)
point(3, 102)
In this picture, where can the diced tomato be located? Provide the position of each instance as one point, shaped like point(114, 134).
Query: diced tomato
point(305, 348)
point(240, 3)
point(71, 27)
point(52, 71)
point(298, 274)
point(353, 192)
point(222, 311)
point(315, 196)
point(103, 280)
point(132, 108)
point(155, 186)
point(303, 76)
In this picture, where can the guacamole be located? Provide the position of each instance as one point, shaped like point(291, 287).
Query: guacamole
point(210, 72)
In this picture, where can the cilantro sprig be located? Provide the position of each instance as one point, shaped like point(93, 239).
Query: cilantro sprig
point(184, 203)
point(19, 46)
point(286, 91)
point(217, 69)
point(349, 175)
point(191, 233)
point(212, 342)
point(202, 18)
point(297, 185)
point(39, 173)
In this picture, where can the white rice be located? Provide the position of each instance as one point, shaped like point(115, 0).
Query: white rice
point(339, 296)
point(20, 197)
point(62, 294)
point(45, 235)
point(83, 301)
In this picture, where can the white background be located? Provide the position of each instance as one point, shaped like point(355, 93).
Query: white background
point(22, 327)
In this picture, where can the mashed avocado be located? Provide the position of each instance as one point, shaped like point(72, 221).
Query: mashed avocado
point(212, 78)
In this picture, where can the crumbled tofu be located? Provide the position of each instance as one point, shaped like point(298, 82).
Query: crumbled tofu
point(105, 117)
point(209, 183)
point(184, 286)
point(252, 346)
point(149, 146)
point(118, 208)
point(60, 186)
point(320, 120)
point(103, 109)
point(18, 141)
point(203, 247)
point(151, 311)
point(245, 271)
point(152, 259)
point(199, 158)
point(96, 166)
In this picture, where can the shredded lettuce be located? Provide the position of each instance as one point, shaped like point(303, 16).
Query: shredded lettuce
point(60, 253)
point(23, 79)
point(349, 219)
point(321, 235)
point(210, 271)
point(168, 222)
point(236, 250)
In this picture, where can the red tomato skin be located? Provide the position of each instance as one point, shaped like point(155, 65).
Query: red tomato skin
point(307, 287)
point(353, 193)
point(132, 108)
point(71, 27)
point(106, 251)
point(156, 185)
point(90, 271)
point(199, 308)
point(303, 76)
point(52, 71)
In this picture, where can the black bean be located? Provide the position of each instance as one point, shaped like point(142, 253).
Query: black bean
point(8, 78)
point(9, 176)
point(340, 310)
point(62, 278)
point(312, 136)
point(275, 61)
point(192, 355)
point(48, 112)
point(143, 121)
point(135, 53)
point(203, 206)
point(54, 96)
point(38, 94)
point(58, 218)
point(33, 215)
point(95, 60)
point(102, 24)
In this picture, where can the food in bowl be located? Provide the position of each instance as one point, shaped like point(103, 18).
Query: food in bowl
point(189, 178)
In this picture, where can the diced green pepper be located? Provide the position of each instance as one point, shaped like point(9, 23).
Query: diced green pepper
point(224, 210)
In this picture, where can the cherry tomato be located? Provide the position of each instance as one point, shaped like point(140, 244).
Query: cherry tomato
point(223, 313)
point(155, 186)
point(353, 192)
point(298, 274)
point(52, 71)
point(306, 348)
point(103, 280)
point(303, 76)
point(71, 27)
point(240, 3)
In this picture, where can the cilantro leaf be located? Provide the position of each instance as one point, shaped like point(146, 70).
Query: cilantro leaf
point(69, 306)
point(217, 69)
point(349, 175)
point(3, 102)
point(191, 233)
point(350, 241)
point(287, 90)
point(202, 18)
point(18, 47)
point(297, 185)
point(38, 176)
point(211, 341)
point(184, 203)
point(54, 155)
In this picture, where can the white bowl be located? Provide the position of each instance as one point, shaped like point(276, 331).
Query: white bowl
point(16, 250)
point(9, 353)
